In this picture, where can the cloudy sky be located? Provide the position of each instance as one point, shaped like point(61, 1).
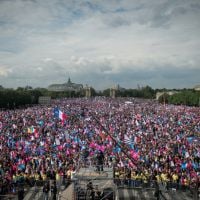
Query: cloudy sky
point(100, 42)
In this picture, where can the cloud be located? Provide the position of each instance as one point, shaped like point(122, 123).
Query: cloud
point(100, 43)
point(47, 59)
point(4, 71)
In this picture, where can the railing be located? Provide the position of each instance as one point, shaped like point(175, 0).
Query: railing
point(170, 188)
point(84, 182)
point(164, 187)
point(93, 193)
point(33, 190)
point(8, 197)
point(80, 185)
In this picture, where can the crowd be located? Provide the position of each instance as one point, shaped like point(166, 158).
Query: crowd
point(143, 137)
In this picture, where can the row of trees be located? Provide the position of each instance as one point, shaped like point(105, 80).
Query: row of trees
point(184, 97)
point(145, 92)
point(10, 98)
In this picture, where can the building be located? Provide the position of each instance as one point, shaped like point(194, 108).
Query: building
point(68, 86)
point(197, 87)
point(44, 100)
point(170, 93)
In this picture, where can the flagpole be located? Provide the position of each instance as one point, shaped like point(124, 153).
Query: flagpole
point(122, 147)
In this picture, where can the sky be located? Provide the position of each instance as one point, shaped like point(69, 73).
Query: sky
point(100, 43)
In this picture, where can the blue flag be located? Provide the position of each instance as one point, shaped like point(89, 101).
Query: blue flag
point(56, 112)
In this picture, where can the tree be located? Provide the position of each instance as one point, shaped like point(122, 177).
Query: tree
point(164, 98)
point(106, 92)
point(93, 92)
point(185, 97)
point(148, 92)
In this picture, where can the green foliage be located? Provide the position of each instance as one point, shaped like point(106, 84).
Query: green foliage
point(185, 97)
point(148, 92)
point(106, 92)
point(145, 92)
point(93, 92)
point(10, 98)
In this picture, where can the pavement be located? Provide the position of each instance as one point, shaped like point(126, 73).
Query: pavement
point(148, 194)
point(67, 194)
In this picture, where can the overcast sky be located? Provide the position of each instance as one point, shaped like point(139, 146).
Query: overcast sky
point(100, 43)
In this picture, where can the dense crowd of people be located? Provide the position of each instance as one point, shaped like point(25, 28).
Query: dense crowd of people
point(141, 139)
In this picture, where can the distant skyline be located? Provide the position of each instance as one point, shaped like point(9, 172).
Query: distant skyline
point(101, 43)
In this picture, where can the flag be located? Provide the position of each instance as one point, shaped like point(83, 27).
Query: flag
point(31, 129)
point(59, 114)
point(117, 149)
point(121, 163)
point(127, 140)
point(56, 112)
point(62, 115)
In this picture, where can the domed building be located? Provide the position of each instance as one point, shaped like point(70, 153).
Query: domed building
point(68, 86)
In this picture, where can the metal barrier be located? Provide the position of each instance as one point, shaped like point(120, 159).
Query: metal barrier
point(165, 189)
point(87, 192)
point(35, 190)
point(90, 182)
point(84, 191)
point(8, 197)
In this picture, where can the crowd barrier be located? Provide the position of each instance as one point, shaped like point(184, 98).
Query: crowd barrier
point(10, 191)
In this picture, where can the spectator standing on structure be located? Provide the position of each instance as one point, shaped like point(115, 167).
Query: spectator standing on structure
point(21, 192)
point(90, 194)
point(46, 189)
point(157, 191)
point(100, 161)
point(54, 190)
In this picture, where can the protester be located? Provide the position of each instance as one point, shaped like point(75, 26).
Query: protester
point(146, 138)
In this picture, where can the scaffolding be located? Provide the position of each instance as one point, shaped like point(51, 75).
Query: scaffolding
point(89, 184)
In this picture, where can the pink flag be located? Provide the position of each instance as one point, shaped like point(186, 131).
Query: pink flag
point(134, 155)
